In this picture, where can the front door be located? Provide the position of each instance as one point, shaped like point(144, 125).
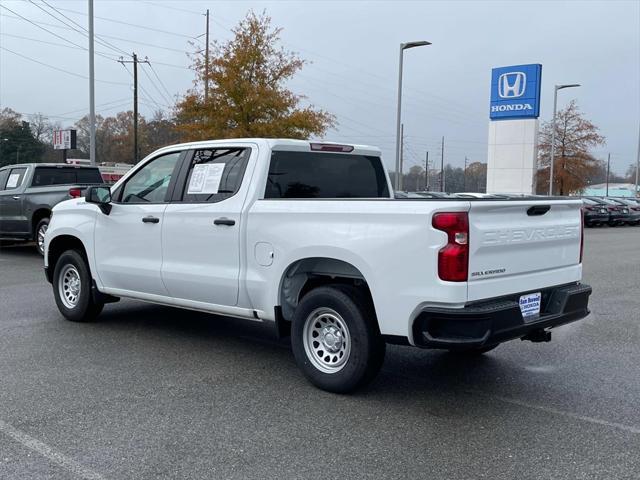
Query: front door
point(202, 225)
point(128, 242)
point(13, 220)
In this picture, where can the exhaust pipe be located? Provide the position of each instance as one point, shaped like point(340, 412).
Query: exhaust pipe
point(538, 336)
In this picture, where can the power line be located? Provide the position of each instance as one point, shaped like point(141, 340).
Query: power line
point(160, 92)
point(60, 69)
point(159, 80)
point(104, 54)
point(174, 8)
point(42, 28)
point(50, 32)
point(157, 30)
point(149, 97)
point(161, 47)
point(85, 32)
point(120, 100)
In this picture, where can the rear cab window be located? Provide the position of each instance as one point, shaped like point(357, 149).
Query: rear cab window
point(325, 175)
point(46, 176)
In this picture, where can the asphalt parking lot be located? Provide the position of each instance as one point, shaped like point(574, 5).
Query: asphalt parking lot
point(153, 392)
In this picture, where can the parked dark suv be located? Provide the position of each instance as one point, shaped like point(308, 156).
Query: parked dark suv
point(29, 191)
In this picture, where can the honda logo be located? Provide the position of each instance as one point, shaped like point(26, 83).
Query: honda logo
point(512, 84)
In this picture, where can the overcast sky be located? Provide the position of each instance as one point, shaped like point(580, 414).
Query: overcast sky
point(352, 48)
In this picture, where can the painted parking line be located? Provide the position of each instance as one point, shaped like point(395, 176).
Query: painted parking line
point(48, 452)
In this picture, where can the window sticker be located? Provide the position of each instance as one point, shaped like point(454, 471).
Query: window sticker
point(205, 178)
point(13, 180)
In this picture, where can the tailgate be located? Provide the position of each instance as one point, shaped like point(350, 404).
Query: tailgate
point(521, 246)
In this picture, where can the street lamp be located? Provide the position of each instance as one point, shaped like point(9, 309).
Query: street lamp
point(403, 47)
point(553, 130)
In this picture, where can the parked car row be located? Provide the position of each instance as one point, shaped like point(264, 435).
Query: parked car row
point(611, 211)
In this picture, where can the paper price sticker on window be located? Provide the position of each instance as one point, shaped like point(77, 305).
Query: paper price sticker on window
point(205, 178)
point(13, 180)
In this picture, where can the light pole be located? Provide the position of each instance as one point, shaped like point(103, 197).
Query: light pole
point(403, 47)
point(553, 130)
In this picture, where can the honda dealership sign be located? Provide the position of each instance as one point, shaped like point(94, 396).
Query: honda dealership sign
point(515, 92)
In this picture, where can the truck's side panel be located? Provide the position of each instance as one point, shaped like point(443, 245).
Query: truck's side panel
point(391, 243)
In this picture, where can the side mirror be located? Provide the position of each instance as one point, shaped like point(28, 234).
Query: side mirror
point(101, 196)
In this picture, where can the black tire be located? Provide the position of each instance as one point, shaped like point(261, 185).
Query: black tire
point(472, 352)
point(80, 307)
point(366, 348)
point(38, 234)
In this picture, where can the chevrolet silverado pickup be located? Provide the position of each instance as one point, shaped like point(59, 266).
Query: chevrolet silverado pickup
point(29, 191)
point(309, 239)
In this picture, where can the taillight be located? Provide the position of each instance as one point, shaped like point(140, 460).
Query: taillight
point(581, 237)
point(75, 192)
point(453, 258)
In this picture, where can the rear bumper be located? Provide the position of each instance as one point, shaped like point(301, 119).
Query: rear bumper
point(619, 217)
point(498, 320)
point(597, 218)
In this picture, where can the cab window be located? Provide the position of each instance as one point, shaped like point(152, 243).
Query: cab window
point(215, 174)
point(15, 178)
point(150, 184)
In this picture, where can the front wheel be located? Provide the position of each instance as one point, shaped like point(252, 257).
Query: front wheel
point(40, 231)
point(72, 288)
point(335, 338)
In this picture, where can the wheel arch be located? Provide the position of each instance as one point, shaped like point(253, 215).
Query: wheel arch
point(60, 244)
point(305, 274)
point(38, 214)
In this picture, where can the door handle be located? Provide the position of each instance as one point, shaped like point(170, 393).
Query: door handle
point(224, 221)
point(16, 197)
point(150, 219)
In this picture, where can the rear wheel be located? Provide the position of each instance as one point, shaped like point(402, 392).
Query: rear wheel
point(41, 229)
point(72, 288)
point(335, 338)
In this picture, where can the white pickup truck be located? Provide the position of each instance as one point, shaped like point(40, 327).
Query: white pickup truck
point(309, 238)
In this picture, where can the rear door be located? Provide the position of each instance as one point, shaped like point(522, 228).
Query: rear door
point(202, 225)
point(519, 246)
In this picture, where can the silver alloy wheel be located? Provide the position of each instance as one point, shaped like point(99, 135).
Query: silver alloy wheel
point(327, 341)
point(40, 236)
point(69, 286)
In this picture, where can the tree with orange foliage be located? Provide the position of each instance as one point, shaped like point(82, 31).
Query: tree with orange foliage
point(247, 90)
point(573, 165)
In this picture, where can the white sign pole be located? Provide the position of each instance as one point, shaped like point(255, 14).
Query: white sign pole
point(92, 96)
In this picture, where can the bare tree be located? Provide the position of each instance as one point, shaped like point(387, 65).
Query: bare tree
point(574, 165)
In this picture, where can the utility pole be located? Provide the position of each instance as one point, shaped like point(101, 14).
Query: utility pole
point(206, 63)
point(442, 166)
point(135, 63)
point(399, 173)
point(608, 165)
point(426, 172)
point(92, 92)
point(465, 173)
point(637, 192)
